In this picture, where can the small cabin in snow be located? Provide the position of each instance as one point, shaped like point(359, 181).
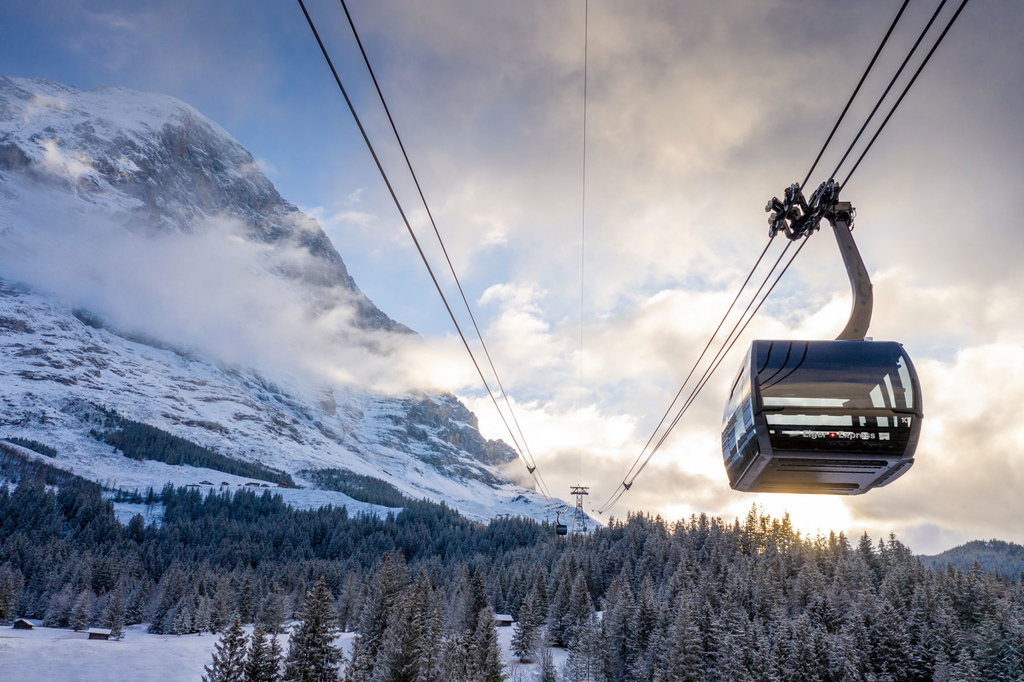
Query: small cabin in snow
point(22, 624)
point(502, 620)
point(99, 633)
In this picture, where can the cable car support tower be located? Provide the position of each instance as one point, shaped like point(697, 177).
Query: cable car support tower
point(579, 517)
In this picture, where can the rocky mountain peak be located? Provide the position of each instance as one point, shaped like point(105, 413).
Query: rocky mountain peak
point(164, 166)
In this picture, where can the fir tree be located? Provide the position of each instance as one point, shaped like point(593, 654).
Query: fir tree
point(81, 612)
point(229, 657)
point(524, 639)
point(223, 607)
point(486, 655)
point(312, 655)
point(557, 613)
point(548, 672)
point(11, 585)
point(360, 665)
point(262, 663)
point(429, 665)
point(58, 612)
point(274, 612)
point(684, 658)
point(398, 657)
point(584, 663)
point(113, 617)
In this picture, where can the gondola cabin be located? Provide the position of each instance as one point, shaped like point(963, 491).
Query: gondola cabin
point(837, 417)
point(561, 529)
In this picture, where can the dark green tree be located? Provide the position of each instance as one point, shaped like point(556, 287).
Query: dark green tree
point(113, 616)
point(262, 663)
point(312, 654)
point(228, 657)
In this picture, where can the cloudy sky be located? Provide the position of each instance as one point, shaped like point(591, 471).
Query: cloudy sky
point(699, 112)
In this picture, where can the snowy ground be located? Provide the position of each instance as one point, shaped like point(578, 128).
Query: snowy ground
point(66, 656)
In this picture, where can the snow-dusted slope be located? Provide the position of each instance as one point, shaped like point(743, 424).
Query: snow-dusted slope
point(85, 328)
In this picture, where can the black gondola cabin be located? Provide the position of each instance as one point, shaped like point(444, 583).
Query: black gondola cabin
point(837, 417)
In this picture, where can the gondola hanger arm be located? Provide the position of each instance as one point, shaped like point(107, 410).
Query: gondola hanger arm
point(797, 218)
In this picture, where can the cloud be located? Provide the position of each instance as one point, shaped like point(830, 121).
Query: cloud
point(969, 466)
point(210, 291)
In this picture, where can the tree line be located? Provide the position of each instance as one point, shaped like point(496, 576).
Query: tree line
point(642, 599)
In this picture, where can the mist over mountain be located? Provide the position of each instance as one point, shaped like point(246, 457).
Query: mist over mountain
point(151, 275)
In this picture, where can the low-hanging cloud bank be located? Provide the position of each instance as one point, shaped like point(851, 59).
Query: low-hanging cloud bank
point(211, 291)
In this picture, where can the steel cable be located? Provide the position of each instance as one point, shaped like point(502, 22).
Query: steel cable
point(917, 73)
point(416, 242)
point(888, 88)
point(855, 91)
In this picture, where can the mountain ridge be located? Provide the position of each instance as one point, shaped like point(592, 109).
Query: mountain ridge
point(91, 171)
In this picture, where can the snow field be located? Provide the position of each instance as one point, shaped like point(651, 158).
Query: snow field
point(52, 654)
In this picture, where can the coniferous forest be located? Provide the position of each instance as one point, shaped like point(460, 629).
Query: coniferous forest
point(643, 599)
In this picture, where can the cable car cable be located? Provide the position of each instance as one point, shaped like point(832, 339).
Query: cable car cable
point(855, 91)
point(702, 353)
point(718, 363)
point(888, 88)
point(531, 462)
point(627, 481)
point(583, 208)
point(917, 73)
point(730, 339)
point(412, 234)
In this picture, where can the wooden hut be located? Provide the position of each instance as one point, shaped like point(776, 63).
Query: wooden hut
point(99, 633)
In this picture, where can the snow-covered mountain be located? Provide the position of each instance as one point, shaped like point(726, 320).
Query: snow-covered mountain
point(150, 274)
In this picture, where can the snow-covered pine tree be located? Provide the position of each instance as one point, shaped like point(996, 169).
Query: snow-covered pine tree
point(203, 616)
point(432, 642)
point(399, 653)
point(81, 612)
point(471, 600)
point(557, 612)
point(683, 659)
point(11, 585)
point(524, 640)
point(223, 610)
point(617, 625)
point(581, 606)
point(486, 650)
point(135, 604)
point(228, 663)
point(274, 611)
point(113, 616)
point(182, 621)
point(58, 612)
point(390, 577)
point(261, 664)
point(312, 655)
point(548, 672)
point(585, 663)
